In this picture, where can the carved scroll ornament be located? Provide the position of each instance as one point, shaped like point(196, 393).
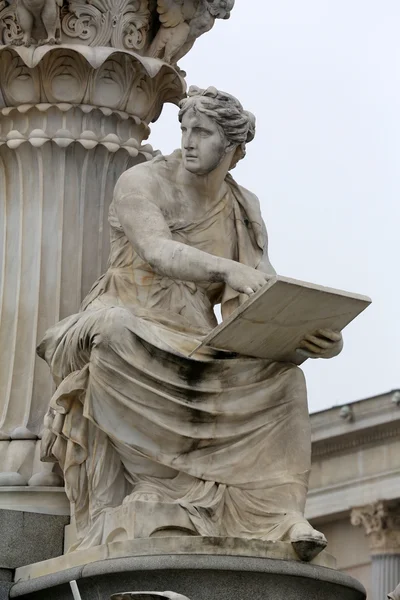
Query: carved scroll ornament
point(116, 23)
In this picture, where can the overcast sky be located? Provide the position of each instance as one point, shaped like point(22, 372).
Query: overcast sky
point(323, 79)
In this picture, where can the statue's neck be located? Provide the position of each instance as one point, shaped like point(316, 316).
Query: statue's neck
point(211, 187)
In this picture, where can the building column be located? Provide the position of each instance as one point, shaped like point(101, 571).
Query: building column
point(381, 522)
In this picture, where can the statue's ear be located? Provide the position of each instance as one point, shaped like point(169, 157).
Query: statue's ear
point(229, 147)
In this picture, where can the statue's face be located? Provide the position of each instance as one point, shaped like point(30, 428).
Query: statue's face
point(203, 145)
point(221, 9)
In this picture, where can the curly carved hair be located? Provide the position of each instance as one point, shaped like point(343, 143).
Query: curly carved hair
point(237, 125)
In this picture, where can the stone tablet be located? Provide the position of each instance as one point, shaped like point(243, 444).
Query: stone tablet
point(273, 322)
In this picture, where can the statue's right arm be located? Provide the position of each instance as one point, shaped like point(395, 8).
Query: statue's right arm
point(147, 230)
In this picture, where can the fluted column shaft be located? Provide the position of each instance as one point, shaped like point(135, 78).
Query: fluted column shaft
point(385, 574)
point(55, 245)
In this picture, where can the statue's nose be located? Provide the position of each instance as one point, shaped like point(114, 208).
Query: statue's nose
point(188, 142)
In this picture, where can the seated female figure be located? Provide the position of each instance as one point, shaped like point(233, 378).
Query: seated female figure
point(225, 438)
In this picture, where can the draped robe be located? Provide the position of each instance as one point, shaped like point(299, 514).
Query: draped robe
point(227, 437)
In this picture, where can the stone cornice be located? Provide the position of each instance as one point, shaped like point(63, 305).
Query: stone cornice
point(339, 498)
point(372, 420)
point(344, 443)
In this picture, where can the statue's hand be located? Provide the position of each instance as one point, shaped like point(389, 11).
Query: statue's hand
point(245, 280)
point(324, 343)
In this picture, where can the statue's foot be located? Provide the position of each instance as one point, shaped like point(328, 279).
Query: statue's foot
point(50, 41)
point(307, 541)
point(17, 42)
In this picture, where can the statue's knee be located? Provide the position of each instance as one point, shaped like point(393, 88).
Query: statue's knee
point(114, 326)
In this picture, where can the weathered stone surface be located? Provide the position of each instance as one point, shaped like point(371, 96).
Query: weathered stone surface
point(5, 590)
point(6, 575)
point(29, 537)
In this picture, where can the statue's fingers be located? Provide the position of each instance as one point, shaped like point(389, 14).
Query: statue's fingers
point(335, 336)
point(320, 342)
point(304, 345)
point(248, 291)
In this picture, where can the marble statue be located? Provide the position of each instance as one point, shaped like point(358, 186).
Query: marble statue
point(34, 14)
point(212, 445)
point(182, 22)
point(395, 595)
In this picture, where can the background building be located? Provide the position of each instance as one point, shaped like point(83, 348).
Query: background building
point(355, 488)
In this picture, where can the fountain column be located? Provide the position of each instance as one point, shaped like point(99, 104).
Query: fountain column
point(73, 117)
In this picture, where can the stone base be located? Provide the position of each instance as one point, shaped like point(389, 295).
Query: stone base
point(28, 537)
point(199, 577)
point(80, 561)
point(5, 587)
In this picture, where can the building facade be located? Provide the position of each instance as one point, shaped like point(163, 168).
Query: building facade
point(354, 493)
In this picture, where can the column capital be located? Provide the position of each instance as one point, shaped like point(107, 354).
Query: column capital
point(381, 522)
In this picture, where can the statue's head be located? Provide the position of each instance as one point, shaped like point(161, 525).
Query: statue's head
point(213, 124)
point(220, 9)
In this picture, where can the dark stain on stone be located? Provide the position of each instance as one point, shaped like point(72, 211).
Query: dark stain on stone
point(193, 372)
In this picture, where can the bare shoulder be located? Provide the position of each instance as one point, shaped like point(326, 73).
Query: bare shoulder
point(149, 181)
point(139, 179)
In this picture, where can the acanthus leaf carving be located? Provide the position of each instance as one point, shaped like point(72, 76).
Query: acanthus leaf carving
point(381, 523)
point(119, 23)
